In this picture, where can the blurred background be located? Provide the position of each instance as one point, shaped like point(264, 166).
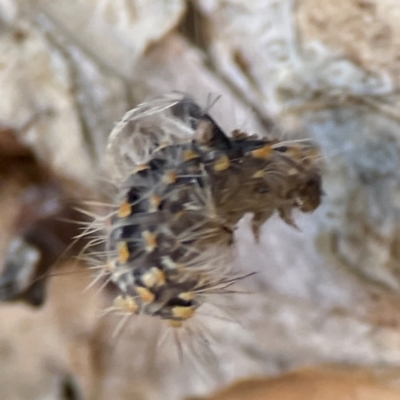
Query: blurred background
point(326, 296)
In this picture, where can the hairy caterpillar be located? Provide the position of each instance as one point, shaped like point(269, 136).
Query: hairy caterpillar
point(182, 186)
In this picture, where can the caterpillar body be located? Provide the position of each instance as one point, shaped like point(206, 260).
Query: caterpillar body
point(183, 185)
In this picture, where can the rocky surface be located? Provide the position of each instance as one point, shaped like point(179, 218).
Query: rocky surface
point(327, 293)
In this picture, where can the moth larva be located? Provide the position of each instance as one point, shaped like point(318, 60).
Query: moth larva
point(182, 186)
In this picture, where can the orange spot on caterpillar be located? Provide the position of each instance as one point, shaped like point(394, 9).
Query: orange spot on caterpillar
point(187, 296)
point(126, 303)
point(153, 277)
point(189, 155)
point(182, 312)
point(155, 201)
point(221, 164)
point(150, 241)
point(262, 152)
point(124, 210)
point(169, 177)
point(145, 294)
point(123, 252)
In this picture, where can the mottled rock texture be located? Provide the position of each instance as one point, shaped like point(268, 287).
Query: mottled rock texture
point(328, 293)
